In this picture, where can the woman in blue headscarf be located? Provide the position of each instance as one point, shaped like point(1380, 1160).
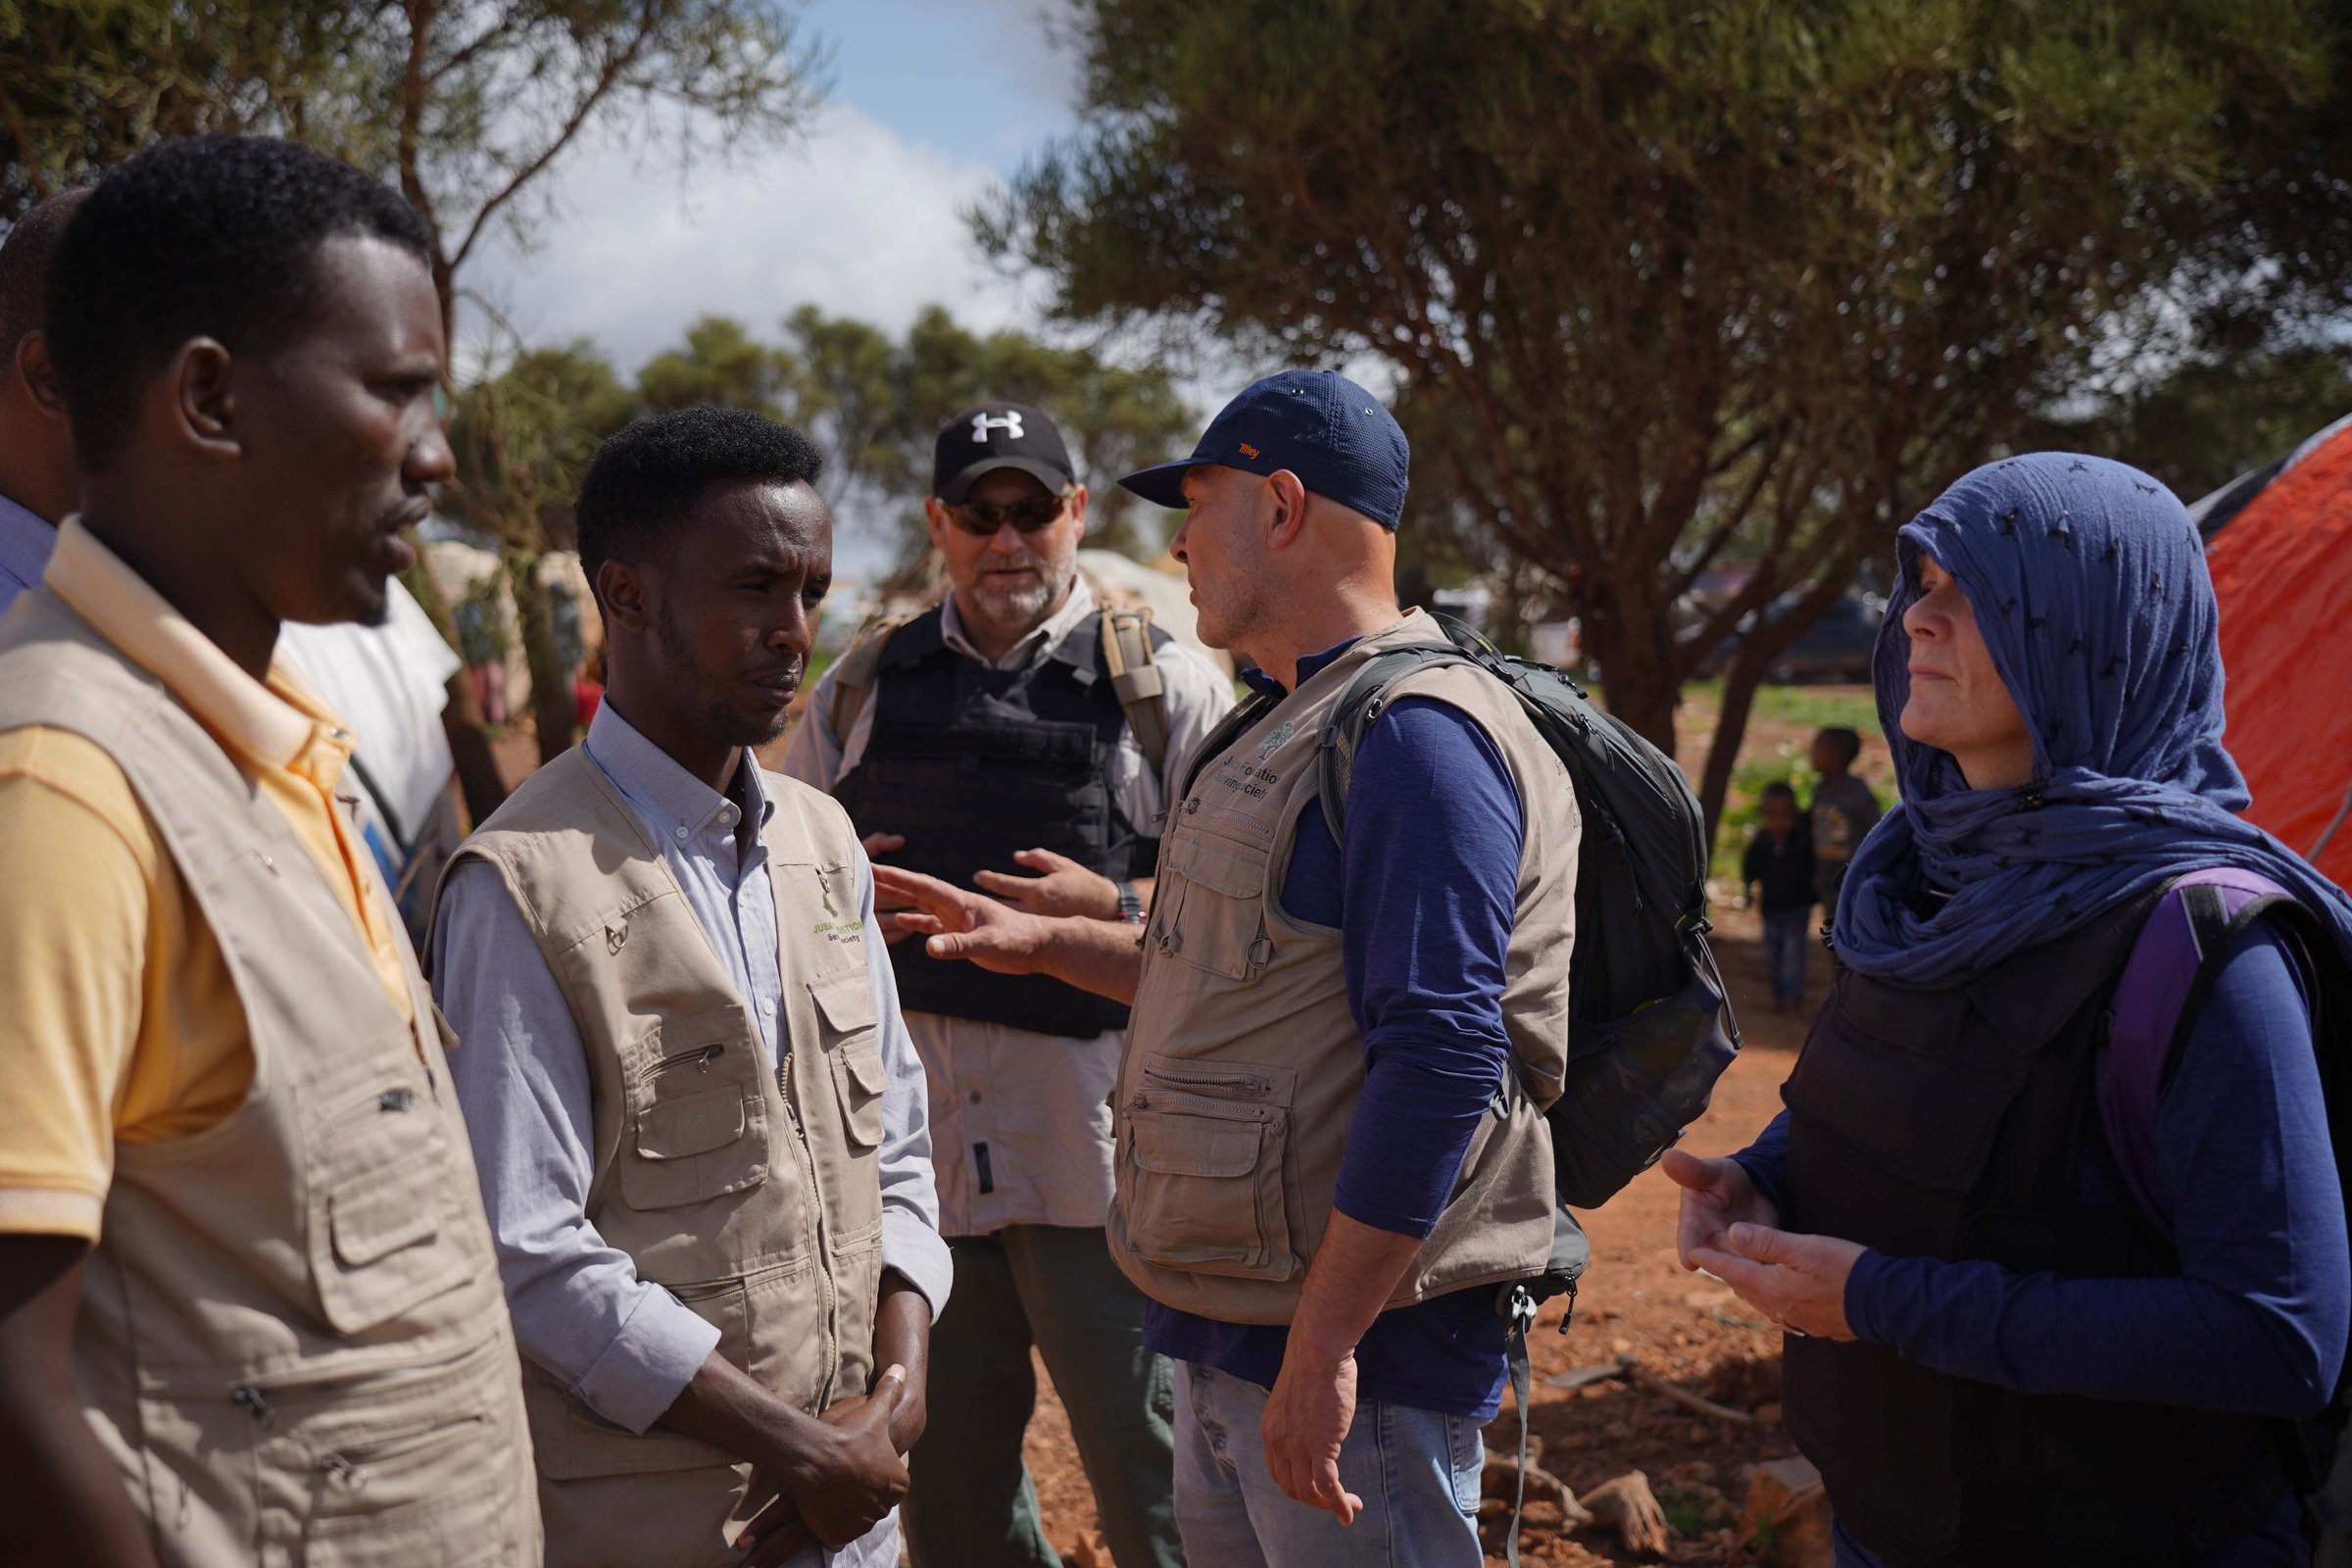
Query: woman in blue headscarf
point(2009, 1342)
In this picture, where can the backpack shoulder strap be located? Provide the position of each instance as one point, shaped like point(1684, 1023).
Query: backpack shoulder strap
point(1364, 700)
point(854, 672)
point(2162, 987)
point(1129, 640)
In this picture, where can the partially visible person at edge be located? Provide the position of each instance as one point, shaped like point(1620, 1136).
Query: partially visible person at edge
point(246, 1291)
point(699, 1120)
point(1841, 812)
point(1996, 1356)
point(942, 769)
point(391, 681)
point(37, 482)
point(1778, 870)
point(1331, 1146)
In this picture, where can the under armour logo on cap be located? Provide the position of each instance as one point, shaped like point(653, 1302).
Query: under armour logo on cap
point(1009, 435)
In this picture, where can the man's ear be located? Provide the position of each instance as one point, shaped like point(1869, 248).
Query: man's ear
point(199, 399)
point(39, 374)
point(1290, 510)
point(621, 596)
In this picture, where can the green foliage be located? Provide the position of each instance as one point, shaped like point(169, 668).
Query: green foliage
point(1791, 715)
point(2211, 420)
point(876, 405)
point(1668, 284)
point(524, 437)
point(1687, 1515)
point(463, 103)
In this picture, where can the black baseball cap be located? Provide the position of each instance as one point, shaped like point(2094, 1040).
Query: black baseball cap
point(1323, 427)
point(998, 435)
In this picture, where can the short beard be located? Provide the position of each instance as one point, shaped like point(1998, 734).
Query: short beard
point(1025, 608)
point(718, 719)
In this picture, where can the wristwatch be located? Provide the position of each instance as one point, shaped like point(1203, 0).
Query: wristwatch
point(1130, 904)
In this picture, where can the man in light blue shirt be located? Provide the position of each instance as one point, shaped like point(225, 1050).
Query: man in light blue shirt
point(37, 482)
point(710, 579)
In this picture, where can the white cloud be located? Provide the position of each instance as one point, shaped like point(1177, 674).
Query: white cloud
point(854, 219)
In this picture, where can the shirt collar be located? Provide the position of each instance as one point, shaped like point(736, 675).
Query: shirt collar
point(25, 542)
point(675, 806)
point(1048, 636)
point(1310, 667)
point(272, 724)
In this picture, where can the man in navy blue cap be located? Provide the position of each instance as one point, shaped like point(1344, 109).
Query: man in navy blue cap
point(1330, 1143)
point(991, 742)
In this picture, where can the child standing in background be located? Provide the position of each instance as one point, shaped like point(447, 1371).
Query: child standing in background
point(1844, 811)
point(1779, 867)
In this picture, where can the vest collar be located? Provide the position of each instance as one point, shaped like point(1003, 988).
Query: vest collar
point(263, 722)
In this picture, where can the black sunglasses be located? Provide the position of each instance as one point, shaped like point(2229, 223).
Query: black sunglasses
point(984, 518)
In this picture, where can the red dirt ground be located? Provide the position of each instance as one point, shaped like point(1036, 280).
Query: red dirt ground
point(1636, 1300)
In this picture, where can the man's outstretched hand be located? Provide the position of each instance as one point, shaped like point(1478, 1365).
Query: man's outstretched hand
point(1059, 886)
point(963, 925)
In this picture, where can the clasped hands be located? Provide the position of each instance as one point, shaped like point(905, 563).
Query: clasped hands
point(1732, 1230)
point(837, 1495)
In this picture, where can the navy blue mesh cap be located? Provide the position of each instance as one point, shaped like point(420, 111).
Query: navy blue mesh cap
point(1323, 427)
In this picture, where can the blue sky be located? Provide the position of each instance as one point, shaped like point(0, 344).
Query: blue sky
point(973, 78)
point(933, 102)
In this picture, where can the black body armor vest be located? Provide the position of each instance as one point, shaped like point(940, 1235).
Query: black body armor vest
point(972, 763)
point(1954, 1124)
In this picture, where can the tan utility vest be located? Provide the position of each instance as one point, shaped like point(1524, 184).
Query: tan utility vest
point(292, 1338)
point(1244, 1063)
point(754, 1196)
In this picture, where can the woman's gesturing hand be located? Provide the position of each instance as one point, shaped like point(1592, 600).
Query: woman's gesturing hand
point(1717, 1194)
point(1795, 1280)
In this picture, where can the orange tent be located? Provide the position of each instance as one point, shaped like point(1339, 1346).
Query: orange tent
point(2279, 545)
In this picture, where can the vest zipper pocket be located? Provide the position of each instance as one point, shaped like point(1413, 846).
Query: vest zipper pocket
point(1232, 1086)
point(699, 1059)
point(348, 1466)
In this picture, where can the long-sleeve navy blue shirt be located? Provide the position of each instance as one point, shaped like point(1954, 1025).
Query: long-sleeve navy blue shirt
point(2256, 1321)
point(1423, 896)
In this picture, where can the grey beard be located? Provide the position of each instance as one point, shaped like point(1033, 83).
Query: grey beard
point(1025, 606)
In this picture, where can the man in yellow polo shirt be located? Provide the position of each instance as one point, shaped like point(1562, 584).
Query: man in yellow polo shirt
point(248, 1305)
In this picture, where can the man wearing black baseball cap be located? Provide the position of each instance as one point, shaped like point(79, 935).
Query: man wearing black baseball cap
point(1017, 738)
point(1331, 1146)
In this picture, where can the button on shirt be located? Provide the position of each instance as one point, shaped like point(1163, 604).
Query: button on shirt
point(1022, 1120)
point(626, 1346)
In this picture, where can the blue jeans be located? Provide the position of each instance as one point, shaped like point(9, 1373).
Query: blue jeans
point(1785, 935)
point(1417, 1471)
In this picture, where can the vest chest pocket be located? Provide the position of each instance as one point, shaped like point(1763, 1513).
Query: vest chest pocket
point(378, 1242)
point(1216, 918)
point(1926, 1109)
point(1203, 1147)
point(853, 1043)
point(698, 1121)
